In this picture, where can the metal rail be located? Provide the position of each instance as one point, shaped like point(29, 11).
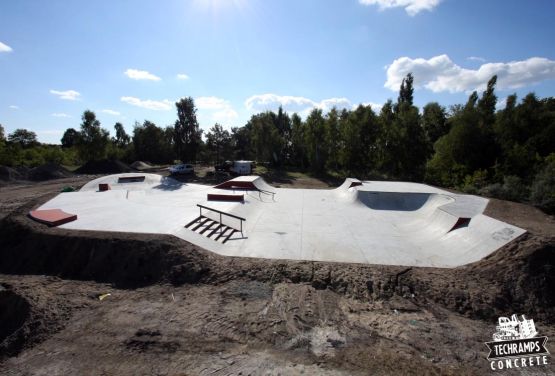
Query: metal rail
point(222, 213)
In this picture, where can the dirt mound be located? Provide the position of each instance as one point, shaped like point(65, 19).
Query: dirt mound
point(105, 166)
point(14, 311)
point(140, 165)
point(11, 174)
point(48, 171)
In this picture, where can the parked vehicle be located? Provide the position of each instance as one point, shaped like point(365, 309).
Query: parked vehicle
point(224, 167)
point(242, 167)
point(182, 169)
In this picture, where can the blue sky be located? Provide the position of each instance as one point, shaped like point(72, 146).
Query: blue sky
point(131, 60)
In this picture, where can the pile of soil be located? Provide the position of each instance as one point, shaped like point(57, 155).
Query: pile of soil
point(105, 166)
point(48, 171)
point(8, 174)
point(140, 165)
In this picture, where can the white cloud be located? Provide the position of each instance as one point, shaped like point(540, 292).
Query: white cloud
point(327, 104)
point(476, 58)
point(216, 110)
point(376, 107)
point(441, 74)
point(111, 112)
point(412, 7)
point(61, 115)
point(14, 107)
point(70, 95)
point(182, 76)
point(5, 48)
point(136, 74)
point(163, 105)
point(300, 105)
point(267, 102)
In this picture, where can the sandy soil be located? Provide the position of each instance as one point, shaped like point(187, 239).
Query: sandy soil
point(179, 310)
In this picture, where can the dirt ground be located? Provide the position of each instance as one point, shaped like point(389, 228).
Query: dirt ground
point(176, 309)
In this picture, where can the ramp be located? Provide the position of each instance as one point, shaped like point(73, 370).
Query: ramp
point(252, 183)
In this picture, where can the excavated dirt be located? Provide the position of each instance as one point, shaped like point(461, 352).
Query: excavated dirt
point(177, 309)
point(105, 166)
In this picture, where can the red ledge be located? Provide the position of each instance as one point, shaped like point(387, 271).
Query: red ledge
point(52, 217)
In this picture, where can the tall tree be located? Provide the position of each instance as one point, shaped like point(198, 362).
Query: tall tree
point(152, 143)
point(70, 138)
point(2, 134)
point(218, 141)
point(93, 139)
point(187, 134)
point(486, 104)
point(122, 138)
point(266, 141)
point(298, 148)
point(333, 138)
point(434, 122)
point(406, 91)
point(315, 139)
point(241, 141)
point(23, 137)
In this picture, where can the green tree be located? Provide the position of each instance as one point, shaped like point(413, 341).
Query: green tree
point(298, 148)
point(122, 138)
point(406, 91)
point(315, 140)
point(187, 134)
point(241, 141)
point(434, 122)
point(152, 143)
point(93, 139)
point(218, 141)
point(70, 138)
point(23, 137)
point(265, 139)
point(2, 134)
point(333, 138)
point(360, 132)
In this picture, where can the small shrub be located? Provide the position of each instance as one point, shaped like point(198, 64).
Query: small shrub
point(543, 188)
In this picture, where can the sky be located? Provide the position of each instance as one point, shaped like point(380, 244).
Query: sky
point(131, 60)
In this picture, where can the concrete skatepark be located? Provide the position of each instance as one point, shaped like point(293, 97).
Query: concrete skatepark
point(369, 222)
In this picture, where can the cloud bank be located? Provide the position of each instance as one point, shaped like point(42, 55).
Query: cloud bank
point(412, 7)
point(163, 105)
point(136, 74)
point(216, 110)
point(440, 74)
point(70, 95)
point(5, 48)
point(300, 105)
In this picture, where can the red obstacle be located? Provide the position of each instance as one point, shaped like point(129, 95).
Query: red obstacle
point(52, 217)
point(225, 197)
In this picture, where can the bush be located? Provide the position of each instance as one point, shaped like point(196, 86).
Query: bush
point(512, 189)
point(543, 188)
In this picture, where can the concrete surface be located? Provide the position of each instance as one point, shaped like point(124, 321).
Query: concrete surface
point(394, 223)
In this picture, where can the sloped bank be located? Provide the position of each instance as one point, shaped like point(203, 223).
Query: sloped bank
point(518, 278)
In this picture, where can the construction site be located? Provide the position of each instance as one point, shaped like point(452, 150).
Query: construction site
point(143, 273)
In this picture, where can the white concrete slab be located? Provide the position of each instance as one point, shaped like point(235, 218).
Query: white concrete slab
point(392, 223)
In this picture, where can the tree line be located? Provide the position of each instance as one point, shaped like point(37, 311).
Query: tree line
point(507, 153)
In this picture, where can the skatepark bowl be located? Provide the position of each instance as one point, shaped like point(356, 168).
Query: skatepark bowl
point(372, 222)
